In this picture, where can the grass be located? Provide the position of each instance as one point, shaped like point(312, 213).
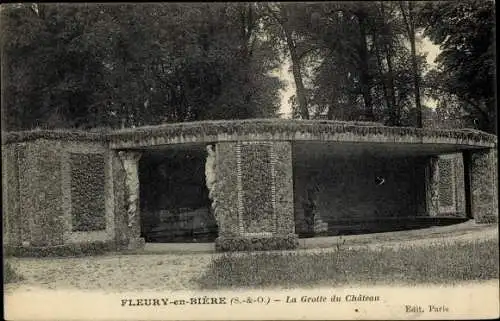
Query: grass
point(436, 263)
point(440, 258)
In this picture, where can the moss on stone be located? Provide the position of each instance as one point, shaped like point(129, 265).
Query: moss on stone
point(87, 192)
point(245, 127)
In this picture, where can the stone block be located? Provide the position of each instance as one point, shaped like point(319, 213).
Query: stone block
point(484, 185)
point(254, 192)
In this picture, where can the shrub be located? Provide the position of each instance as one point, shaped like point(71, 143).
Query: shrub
point(230, 244)
point(9, 274)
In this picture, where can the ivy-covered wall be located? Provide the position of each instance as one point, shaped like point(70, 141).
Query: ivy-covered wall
point(450, 187)
point(39, 203)
point(227, 189)
point(257, 180)
point(484, 185)
point(49, 218)
point(10, 196)
point(87, 192)
point(33, 194)
point(39, 197)
point(459, 184)
point(27, 175)
point(257, 177)
point(284, 188)
point(88, 198)
point(344, 188)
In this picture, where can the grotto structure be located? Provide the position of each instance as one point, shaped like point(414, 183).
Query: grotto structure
point(262, 182)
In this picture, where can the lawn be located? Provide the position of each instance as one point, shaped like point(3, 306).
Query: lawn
point(471, 257)
point(436, 263)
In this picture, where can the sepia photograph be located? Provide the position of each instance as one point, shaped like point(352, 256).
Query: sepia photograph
point(249, 160)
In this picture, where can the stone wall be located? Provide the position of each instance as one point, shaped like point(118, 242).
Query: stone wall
point(450, 187)
point(349, 188)
point(484, 185)
point(290, 130)
point(87, 193)
point(256, 176)
point(120, 205)
point(227, 190)
point(284, 188)
point(12, 227)
point(256, 187)
point(41, 191)
point(33, 194)
point(48, 219)
point(41, 183)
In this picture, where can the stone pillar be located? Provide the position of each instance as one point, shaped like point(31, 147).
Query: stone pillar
point(483, 185)
point(459, 185)
point(254, 192)
point(432, 186)
point(210, 178)
point(130, 162)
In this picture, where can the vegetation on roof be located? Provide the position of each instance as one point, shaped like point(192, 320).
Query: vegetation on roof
point(243, 127)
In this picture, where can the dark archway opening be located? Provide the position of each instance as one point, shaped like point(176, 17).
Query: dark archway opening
point(174, 198)
point(348, 189)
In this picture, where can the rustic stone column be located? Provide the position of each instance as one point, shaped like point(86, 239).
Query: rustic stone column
point(460, 185)
point(483, 185)
point(130, 162)
point(432, 186)
point(210, 178)
point(254, 191)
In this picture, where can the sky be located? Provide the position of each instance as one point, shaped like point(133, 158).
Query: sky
point(426, 46)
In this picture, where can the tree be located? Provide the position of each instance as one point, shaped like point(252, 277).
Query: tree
point(466, 65)
point(40, 51)
point(359, 61)
point(409, 16)
point(122, 65)
point(282, 13)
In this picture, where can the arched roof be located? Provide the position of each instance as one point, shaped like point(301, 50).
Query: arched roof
point(266, 129)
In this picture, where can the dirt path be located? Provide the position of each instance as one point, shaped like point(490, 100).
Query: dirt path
point(461, 232)
point(175, 271)
point(112, 273)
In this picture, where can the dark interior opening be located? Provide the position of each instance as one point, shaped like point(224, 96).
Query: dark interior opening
point(350, 189)
point(384, 224)
point(174, 198)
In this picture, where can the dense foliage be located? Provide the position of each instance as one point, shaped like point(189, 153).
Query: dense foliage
point(255, 243)
point(124, 65)
point(465, 78)
point(359, 60)
point(88, 65)
point(351, 60)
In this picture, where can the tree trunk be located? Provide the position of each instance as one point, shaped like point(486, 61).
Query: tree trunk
point(247, 23)
point(387, 47)
point(416, 81)
point(297, 73)
point(392, 93)
point(410, 28)
point(297, 76)
point(383, 81)
point(365, 72)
